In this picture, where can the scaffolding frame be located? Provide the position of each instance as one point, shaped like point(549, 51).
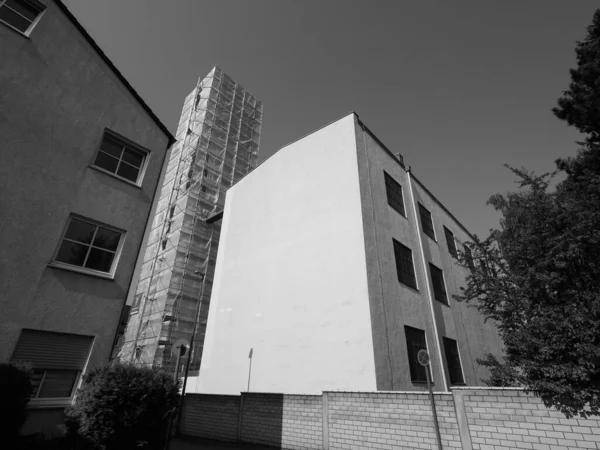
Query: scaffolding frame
point(220, 127)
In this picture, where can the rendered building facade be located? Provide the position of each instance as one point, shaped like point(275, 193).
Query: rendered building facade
point(81, 156)
point(336, 266)
point(218, 137)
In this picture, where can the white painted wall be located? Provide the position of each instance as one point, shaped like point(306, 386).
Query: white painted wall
point(291, 278)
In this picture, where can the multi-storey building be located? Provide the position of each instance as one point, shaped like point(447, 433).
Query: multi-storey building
point(81, 156)
point(336, 266)
point(218, 138)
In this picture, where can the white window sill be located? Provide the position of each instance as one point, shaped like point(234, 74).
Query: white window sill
point(114, 175)
point(42, 403)
point(82, 270)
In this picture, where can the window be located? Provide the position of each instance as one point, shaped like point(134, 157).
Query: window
point(415, 341)
point(439, 288)
point(426, 222)
point(453, 361)
point(120, 159)
point(20, 14)
point(404, 265)
point(450, 242)
point(90, 246)
point(469, 257)
point(57, 360)
point(394, 194)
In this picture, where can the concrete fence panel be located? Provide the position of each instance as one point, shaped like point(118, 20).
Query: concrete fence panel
point(211, 416)
point(390, 421)
point(469, 418)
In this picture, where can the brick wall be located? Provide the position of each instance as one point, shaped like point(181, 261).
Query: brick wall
point(469, 418)
point(211, 416)
point(390, 421)
point(289, 421)
point(504, 419)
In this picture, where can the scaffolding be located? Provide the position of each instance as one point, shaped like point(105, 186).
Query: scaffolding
point(218, 138)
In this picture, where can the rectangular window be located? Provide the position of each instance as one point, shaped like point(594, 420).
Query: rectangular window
point(415, 341)
point(450, 242)
point(90, 246)
point(20, 14)
point(57, 360)
point(120, 158)
point(394, 194)
point(453, 361)
point(404, 265)
point(469, 257)
point(439, 288)
point(426, 222)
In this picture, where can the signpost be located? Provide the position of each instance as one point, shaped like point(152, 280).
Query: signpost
point(423, 358)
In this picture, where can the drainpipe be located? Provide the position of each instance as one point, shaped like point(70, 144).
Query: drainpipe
point(427, 280)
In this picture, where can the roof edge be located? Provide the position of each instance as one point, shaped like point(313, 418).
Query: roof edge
point(419, 182)
point(116, 71)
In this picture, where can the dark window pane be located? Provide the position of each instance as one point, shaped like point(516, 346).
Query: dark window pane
point(404, 265)
point(415, 341)
point(36, 379)
point(437, 279)
point(107, 239)
point(450, 242)
point(469, 257)
point(426, 222)
point(128, 172)
point(106, 162)
point(132, 157)
point(453, 361)
point(100, 260)
point(111, 147)
point(58, 383)
point(72, 253)
point(12, 18)
point(80, 231)
point(23, 8)
point(394, 194)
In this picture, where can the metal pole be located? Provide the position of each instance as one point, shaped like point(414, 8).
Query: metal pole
point(189, 360)
point(435, 420)
point(249, 371)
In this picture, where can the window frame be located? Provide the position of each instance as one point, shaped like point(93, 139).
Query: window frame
point(53, 402)
point(423, 228)
point(84, 270)
point(414, 376)
point(36, 4)
point(398, 245)
point(458, 359)
point(452, 249)
point(127, 143)
point(390, 182)
point(443, 284)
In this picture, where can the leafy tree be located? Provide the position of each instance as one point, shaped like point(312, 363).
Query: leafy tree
point(538, 276)
point(124, 406)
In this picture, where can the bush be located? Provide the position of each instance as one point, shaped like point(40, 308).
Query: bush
point(15, 391)
point(123, 406)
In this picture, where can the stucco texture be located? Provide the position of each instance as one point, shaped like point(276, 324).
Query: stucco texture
point(56, 98)
point(290, 278)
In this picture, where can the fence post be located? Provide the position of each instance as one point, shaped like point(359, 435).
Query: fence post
point(325, 418)
point(240, 417)
point(461, 418)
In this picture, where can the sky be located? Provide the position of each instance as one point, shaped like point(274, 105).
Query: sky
point(459, 88)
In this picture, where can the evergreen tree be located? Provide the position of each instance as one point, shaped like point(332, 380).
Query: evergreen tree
point(538, 276)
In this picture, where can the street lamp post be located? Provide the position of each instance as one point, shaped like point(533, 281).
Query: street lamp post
point(190, 354)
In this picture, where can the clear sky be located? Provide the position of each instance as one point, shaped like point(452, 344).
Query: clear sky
point(458, 87)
